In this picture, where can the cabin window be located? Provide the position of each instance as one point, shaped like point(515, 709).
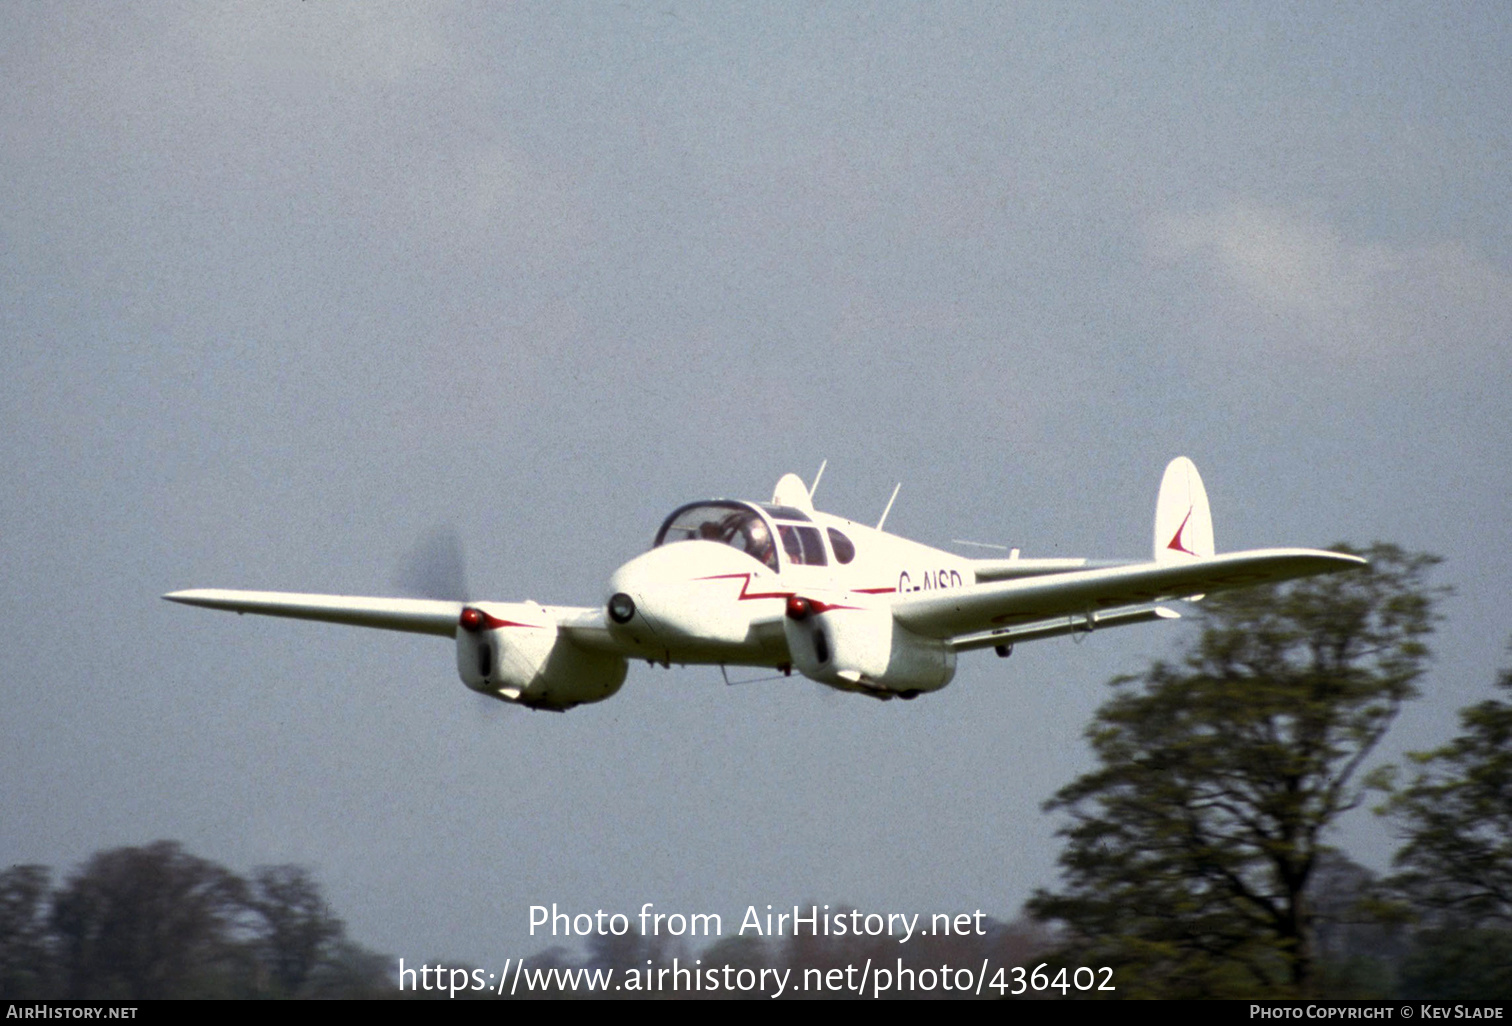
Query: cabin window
point(845, 551)
point(803, 545)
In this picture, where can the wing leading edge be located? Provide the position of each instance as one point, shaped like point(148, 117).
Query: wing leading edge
point(418, 616)
point(1094, 594)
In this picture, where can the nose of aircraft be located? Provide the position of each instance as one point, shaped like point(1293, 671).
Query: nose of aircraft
point(668, 589)
point(642, 590)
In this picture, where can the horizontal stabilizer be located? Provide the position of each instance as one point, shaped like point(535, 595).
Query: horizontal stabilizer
point(419, 616)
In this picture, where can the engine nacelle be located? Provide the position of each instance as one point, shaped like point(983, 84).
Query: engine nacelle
point(514, 652)
point(847, 645)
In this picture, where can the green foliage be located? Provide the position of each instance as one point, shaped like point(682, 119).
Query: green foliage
point(1456, 817)
point(1459, 964)
point(1191, 848)
point(1455, 866)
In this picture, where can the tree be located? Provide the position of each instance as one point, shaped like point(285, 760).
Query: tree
point(1456, 818)
point(26, 967)
point(157, 922)
point(350, 970)
point(1191, 848)
point(1357, 944)
point(151, 922)
point(297, 932)
point(1455, 867)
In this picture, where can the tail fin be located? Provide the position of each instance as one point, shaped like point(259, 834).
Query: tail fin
point(1183, 522)
point(791, 491)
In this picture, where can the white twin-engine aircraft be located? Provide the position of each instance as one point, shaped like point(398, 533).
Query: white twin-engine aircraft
point(780, 585)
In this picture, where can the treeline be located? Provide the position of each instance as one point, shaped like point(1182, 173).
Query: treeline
point(158, 922)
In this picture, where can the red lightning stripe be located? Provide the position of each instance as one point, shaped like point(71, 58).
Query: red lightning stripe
point(746, 594)
point(825, 607)
point(1176, 543)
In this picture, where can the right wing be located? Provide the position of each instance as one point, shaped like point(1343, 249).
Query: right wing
point(419, 616)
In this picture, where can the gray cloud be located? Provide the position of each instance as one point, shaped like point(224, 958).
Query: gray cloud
point(1370, 303)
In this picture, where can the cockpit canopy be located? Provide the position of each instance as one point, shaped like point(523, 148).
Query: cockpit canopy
point(751, 528)
point(733, 523)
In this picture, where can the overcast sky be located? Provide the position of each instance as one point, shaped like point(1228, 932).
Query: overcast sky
point(285, 286)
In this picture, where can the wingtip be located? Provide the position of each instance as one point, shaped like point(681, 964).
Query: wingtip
point(186, 597)
point(1349, 560)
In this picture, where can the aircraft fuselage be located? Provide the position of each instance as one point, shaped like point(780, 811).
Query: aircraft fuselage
point(719, 596)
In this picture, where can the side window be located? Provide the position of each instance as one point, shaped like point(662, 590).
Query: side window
point(845, 551)
point(813, 546)
point(803, 545)
point(790, 543)
point(748, 533)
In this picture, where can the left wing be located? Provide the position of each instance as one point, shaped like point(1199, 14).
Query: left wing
point(1099, 595)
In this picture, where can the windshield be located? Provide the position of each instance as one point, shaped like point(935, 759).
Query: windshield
point(732, 523)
